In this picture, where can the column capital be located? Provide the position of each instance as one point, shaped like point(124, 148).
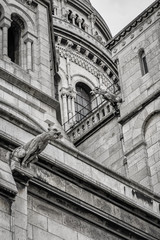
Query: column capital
point(5, 22)
point(28, 37)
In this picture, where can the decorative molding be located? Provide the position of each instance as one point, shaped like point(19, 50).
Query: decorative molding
point(89, 65)
point(107, 222)
point(134, 24)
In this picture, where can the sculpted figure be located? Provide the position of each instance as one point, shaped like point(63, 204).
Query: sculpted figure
point(107, 95)
point(28, 153)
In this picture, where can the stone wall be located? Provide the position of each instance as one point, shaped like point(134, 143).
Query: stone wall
point(105, 146)
point(139, 111)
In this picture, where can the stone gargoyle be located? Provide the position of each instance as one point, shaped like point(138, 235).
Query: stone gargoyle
point(107, 95)
point(28, 153)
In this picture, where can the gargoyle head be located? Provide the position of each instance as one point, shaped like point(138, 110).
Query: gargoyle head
point(54, 134)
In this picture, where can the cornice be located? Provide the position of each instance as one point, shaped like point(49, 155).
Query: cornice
point(89, 65)
point(133, 24)
point(61, 168)
point(86, 211)
point(101, 62)
point(140, 107)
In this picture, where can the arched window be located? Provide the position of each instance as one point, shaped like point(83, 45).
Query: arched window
point(14, 38)
point(143, 62)
point(83, 101)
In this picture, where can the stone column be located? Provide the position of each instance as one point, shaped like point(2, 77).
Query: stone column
point(29, 55)
point(5, 24)
point(70, 113)
point(65, 107)
point(1, 35)
point(92, 18)
point(73, 106)
point(79, 22)
point(19, 209)
point(73, 18)
point(68, 70)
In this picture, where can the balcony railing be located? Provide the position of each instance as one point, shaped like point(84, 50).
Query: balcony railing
point(79, 124)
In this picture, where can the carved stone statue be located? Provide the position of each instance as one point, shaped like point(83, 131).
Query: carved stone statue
point(28, 153)
point(107, 95)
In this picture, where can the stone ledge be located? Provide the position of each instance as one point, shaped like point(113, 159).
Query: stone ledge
point(87, 212)
point(45, 160)
point(26, 87)
point(140, 107)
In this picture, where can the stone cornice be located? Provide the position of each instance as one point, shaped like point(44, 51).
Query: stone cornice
point(133, 24)
point(87, 212)
point(139, 107)
point(91, 66)
point(61, 168)
point(88, 42)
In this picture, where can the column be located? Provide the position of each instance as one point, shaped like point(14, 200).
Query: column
point(73, 107)
point(29, 55)
point(70, 113)
point(73, 18)
point(79, 22)
point(93, 20)
point(68, 71)
point(65, 108)
point(1, 35)
point(5, 23)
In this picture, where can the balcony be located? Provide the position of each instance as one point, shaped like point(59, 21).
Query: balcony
point(77, 130)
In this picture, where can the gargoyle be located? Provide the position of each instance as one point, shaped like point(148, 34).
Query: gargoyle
point(28, 153)
point(107, 95)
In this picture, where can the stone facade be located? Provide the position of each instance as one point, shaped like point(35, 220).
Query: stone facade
point(101, 180)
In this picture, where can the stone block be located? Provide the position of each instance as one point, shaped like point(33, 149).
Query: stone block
point(72, 222)
point(47, 210)
point(37, 219)
point(5, 205)
point(5, 234)
point(5, 220)
point(62, 231)
point(39, 234)
point(21, 205)
point(21, 220)
point(30, 231)
point(20, 234)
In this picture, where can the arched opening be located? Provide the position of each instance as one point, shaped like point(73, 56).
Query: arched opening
point(14, 38)
point(76, 20)
point(70, 19)
point(82, 24)
point(143, 62)
point(82, 101)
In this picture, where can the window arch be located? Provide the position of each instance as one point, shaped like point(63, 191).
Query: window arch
point(14, 38)
point(82, 101)
point(143, 62)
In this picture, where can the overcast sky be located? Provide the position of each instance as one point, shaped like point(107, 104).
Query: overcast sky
point(118, 13)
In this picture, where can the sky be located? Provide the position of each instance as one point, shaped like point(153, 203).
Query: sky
point(118, 13)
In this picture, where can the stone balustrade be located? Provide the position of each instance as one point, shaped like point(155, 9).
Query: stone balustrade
point(77, 130)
